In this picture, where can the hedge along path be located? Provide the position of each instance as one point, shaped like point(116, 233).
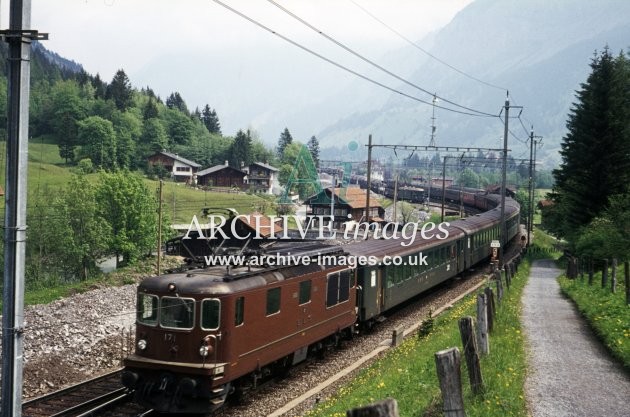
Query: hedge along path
point(570, 373)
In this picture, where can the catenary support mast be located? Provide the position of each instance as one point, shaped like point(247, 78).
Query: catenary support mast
point(19, 37)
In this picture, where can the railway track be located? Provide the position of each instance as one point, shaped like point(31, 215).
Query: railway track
point(101, 396)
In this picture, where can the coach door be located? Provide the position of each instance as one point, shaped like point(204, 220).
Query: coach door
point(461, 257)
point(380, 293)
point(304, 303)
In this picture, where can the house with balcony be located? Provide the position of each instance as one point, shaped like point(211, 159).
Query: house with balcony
point(221, 176)
point(261, 177)
point(349, 205)
point(179, 168)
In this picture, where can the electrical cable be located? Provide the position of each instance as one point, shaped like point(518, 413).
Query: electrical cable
point(348, 49)
point(425, 51)
point(338, 65)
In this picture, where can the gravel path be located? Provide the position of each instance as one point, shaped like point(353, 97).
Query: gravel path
point(570, 373)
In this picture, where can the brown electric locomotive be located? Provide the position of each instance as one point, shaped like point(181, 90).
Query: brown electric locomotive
point(206, 333)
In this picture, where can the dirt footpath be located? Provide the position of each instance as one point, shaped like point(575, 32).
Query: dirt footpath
point(570, 373)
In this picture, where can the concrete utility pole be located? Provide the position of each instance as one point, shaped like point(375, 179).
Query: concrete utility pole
point(531, 211)
point(369, 180)
point(159, 244)
point(532, 184)
point(19, 38)
point(503, 180)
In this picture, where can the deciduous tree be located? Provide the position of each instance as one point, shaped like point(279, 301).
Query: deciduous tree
point(130, 209)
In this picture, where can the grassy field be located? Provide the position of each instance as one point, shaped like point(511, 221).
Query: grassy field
point(407, 373)
point(606, 313)
point(47, 175)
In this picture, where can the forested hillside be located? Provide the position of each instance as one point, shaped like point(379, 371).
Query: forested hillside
point(114, 124)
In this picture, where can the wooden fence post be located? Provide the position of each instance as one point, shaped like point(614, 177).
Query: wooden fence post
point(590, 271)
point(467, 333)
point(491, 308)
point(385, 408)
point(397, 335)
point(497, 279)
point(626, 270)
point(482, 324)
point(605, 274)
point(507, 277)
point(449, 374)
point(582, 261)
point(613, 276)
point(571, 268)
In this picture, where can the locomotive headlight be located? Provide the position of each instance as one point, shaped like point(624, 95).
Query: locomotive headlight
point(203, 351)
point(142, 344)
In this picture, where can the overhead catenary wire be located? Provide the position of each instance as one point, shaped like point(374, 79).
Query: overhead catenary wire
point(415, 45)
point(338, 65)
point(380, 67)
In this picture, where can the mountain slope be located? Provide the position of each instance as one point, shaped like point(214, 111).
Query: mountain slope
point(539, 50)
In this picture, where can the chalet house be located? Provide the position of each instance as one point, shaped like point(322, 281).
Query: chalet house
point(261, 177)
point(349, 204)
point(181, 169)
point(221, 176)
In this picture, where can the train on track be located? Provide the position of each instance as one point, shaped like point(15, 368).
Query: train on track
point(207, 333)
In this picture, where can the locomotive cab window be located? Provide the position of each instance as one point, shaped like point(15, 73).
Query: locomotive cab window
point(273, 301)
point(147, 311)
point(177, 313)
point(210, 314)
point(305, 292)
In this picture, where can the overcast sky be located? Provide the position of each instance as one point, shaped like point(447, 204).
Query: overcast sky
point(211, 55)
point(105, 35)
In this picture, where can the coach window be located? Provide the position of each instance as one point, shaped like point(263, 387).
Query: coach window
point(210, 314)
point(305, 292)
point(177, 313)
point(391, 276)
point(273, 301)
point(239, 311)
point(344, 285)
point(147, 311)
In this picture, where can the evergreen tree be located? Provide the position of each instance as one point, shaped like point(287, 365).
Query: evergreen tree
point(66, 110)
point(210, 120)
point(99, 87)
point(596, 150)
point(120, 91)
point(67, 132)
point(285, 140)
point(241, 150)
point(150, 109)
point(175, 101)
point(313, 147)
